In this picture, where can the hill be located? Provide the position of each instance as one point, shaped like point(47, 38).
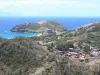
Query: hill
point(20, 56)
point(88, 34)
point(37, 55)
point(40, 27)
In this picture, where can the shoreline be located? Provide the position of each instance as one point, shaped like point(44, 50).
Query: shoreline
point(11, 35)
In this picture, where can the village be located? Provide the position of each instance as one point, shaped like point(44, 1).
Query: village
point(77, 54)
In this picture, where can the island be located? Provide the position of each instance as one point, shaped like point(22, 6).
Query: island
point(42, 26)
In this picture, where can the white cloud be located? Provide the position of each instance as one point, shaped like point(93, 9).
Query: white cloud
point(45, 7)
point(46, 2)
point(52, 2)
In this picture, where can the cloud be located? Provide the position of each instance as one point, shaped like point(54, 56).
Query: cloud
point(46, 2)
point(44, 7)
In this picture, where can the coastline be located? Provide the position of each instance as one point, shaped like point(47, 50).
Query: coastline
point(11, 35)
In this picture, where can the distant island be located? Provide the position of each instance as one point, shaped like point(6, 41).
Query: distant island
point(57, 52)
point(42, 26)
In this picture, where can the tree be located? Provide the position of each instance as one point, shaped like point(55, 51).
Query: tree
point(63, 46)
point(86, 48)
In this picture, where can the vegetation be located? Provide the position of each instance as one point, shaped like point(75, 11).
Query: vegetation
point(20, 55)
point(26, 56)
point(69, 67)
point(64, 45)
point(41, 26)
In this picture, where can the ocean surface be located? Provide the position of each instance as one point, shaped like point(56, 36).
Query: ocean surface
point(6, 23)
point(9, 35)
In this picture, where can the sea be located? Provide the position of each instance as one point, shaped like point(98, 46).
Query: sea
point(6, 23)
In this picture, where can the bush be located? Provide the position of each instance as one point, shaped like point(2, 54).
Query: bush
point(19, 54)
point(64, 46)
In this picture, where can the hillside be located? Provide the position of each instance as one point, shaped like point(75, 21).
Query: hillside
point(40, 55)
point(41, 26)
point(24, 56)
point(21, 56)
point(88, 34)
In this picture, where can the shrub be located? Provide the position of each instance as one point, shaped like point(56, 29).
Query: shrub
point(63, 46)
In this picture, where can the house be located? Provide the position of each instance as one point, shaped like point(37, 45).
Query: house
point(71, 48)
point(70, 53)
point(94, 54)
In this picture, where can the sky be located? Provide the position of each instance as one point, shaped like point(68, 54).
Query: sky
point(65, 8)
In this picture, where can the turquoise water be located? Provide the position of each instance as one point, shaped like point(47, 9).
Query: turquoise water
point(9, 35)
